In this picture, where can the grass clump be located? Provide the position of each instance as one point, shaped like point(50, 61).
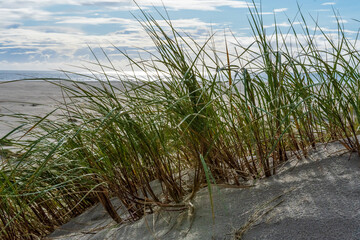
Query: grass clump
point(233, 120)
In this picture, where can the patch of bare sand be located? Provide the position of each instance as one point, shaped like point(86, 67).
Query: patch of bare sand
point(314, 198)
point(36, 98)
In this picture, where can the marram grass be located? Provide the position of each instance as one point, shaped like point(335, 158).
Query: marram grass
point(210, 112)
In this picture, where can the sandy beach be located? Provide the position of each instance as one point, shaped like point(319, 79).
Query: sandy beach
point(26, 97)
point(36, 98)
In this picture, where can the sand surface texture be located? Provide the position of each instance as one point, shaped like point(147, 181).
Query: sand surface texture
point(314, 198)
point(27, 97)
point(37, 98)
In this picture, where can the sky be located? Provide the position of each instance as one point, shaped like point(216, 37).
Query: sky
point(56, 34)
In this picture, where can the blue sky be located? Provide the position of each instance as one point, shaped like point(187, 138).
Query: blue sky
point(54, 34)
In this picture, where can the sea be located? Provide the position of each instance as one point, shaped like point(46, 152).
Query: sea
point(9, 75)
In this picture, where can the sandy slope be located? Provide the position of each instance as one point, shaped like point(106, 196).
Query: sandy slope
point(317, 199)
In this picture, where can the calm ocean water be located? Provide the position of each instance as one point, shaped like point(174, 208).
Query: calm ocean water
point(7, 75)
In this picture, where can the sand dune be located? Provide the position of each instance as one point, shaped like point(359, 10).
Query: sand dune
point(314, 198)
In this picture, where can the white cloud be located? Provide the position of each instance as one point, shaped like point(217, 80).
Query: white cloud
point(63, 39)
point(11, 16)
point(131, 23)
point(282, 24)
point(56, 44)
point(280, 10)
point(340, 21)
point(93, 21)
point(322, 10)
point(329, 30)
point(263, 13)
point(328, 3)
point(267, 13)
point(203, 5)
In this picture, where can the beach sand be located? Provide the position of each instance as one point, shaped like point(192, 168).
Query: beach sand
point(26, 97)
point(37, 98)
point(313, 198)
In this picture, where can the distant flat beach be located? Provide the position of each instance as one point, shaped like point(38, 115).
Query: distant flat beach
point(36, 98)
point(26, 97)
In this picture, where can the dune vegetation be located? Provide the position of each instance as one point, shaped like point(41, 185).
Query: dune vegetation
point(225, 118)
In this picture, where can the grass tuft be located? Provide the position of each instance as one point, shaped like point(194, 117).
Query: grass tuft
point(199, 112)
